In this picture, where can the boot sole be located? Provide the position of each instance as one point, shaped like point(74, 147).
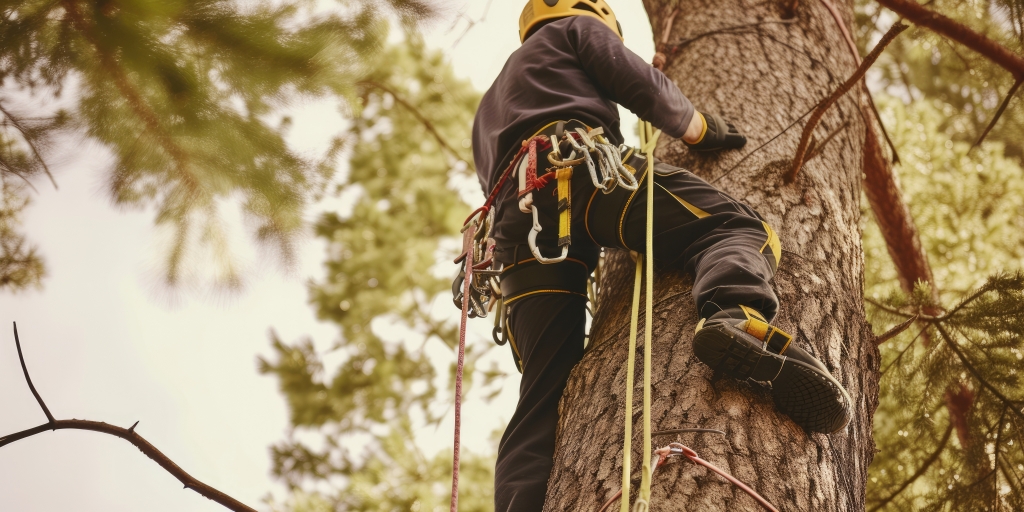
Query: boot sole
point(814, 400)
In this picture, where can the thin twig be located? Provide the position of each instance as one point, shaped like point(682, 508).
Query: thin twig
point(852, 46)
point(685, 42)
point(904, 351)
point(850, 82)
point(21, 357)
point(999, 112)
point(920, 471)
point(687, 430)
point(127, 434)
point(421, 118)
point(765, 143)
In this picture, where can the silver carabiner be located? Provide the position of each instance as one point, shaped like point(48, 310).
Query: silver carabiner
point(582, 149)
point(533, 242)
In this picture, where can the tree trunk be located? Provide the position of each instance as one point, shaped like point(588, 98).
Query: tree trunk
point(762, 78)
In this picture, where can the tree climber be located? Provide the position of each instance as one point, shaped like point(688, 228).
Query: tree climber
point(562, 85)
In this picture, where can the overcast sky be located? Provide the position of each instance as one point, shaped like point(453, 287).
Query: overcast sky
point(104, 341)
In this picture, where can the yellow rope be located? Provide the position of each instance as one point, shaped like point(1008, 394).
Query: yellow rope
point(648, 141)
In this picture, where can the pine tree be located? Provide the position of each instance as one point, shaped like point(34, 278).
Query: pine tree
point(186, 94)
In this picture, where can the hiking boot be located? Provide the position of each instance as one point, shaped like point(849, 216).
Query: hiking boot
point(750, 348)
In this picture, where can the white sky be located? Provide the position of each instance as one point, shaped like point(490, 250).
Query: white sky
point(105, 342)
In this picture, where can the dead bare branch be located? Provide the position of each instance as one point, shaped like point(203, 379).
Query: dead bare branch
point(128, 434)
point(895, 331)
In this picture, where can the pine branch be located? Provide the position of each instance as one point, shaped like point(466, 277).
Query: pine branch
point(421, 118)
point(32, 146)
point(920, 471)
point(127, 434)
point(959, 32)
point(974, 372)
point(134, 98)
point(842, 90)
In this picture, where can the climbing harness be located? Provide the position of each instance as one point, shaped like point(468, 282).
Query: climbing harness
point(477, 285)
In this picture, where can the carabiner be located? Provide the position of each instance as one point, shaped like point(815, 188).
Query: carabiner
point(534, 231)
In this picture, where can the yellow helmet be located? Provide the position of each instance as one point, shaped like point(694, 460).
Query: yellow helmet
point(537, 11)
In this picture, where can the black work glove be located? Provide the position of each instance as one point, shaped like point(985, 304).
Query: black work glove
point(720, 134)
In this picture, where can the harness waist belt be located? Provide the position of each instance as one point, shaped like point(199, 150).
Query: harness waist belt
point(531, 277)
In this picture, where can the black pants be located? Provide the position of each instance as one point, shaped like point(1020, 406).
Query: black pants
point(724, 244)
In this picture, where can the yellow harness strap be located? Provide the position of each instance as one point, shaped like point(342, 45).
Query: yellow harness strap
point(564, 177)
point(648, 141)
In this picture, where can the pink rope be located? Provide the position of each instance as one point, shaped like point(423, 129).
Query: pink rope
point(680, 449)
point(458, 372)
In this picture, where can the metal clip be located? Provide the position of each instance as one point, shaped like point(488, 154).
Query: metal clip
point(533, 242)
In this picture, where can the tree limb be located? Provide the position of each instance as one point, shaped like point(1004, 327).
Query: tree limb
point(421, 118)
point(893, 217)
point(960, 33)
point(852, 46)
point(128, 434)
point(824, 106)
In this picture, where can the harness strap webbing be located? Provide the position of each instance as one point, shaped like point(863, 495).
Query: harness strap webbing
point(564, 177)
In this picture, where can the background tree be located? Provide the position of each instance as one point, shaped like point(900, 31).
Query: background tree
point(186, 94)
point(387, 265)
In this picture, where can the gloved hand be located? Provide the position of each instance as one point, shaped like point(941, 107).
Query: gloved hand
point(718, 134)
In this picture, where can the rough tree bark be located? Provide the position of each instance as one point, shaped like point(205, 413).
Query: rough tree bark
point(763, 79)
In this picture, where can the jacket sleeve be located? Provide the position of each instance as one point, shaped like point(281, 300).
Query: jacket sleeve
point(627, 79)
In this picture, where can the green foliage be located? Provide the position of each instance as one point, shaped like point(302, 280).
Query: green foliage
point(967, 363)
point(20, 265)
point(185, 94)
point(949, 422)
point(380, 270)
point(968, 205)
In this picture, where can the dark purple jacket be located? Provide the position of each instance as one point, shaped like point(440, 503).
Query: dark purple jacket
point(572, 68)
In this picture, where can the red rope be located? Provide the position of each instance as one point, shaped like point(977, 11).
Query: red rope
point(542, 143)
point(458, 373)
point(680, 449)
